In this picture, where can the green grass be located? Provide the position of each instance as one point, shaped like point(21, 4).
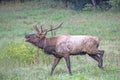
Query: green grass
point(16, 20)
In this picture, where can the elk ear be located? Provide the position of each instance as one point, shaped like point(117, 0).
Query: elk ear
point(41, 35)
point(44, 32)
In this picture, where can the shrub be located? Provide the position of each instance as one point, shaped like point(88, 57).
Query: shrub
point(115, 3)
point(19, 52)
point(88, 7)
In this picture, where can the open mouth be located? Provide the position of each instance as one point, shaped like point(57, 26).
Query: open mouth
point(26, 40)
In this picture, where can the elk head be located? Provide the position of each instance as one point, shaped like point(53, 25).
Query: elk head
point(38, 38)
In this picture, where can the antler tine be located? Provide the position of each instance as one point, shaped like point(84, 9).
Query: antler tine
point(36, 28)
point(51, 29)
point(41, 28)
point(55, 27)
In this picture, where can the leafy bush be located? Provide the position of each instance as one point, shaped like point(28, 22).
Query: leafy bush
point(19, 52)
point(88, 7)
point(115, 3)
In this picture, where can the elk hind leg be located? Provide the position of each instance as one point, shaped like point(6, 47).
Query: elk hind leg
point(101, 53)
point(98, 59)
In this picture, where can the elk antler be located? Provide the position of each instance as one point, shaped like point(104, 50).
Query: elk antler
point(41, 28)
point(51, 30)
point(36, 28)
point(45, 31)
point(55, 27)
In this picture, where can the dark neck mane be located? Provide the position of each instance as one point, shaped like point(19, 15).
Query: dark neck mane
point(40, 43)
point(46, 46)
point(43, 43)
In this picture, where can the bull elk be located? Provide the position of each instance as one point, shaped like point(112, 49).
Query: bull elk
point(64, 45)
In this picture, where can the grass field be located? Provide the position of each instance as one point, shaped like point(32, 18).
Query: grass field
point(17, 56)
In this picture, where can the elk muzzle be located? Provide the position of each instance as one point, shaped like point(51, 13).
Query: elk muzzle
point(27, 37)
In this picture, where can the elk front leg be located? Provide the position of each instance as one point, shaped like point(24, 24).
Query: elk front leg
point(67, 59)
point(56, 61)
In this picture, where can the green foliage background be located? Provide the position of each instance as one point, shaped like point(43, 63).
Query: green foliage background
point(115, 3)
point(17, 58)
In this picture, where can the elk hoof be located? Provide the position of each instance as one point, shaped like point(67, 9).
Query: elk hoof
point(101, 67)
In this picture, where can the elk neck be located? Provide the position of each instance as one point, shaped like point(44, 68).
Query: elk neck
point(40, 43)
point(45, 43)
point(49, 46)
